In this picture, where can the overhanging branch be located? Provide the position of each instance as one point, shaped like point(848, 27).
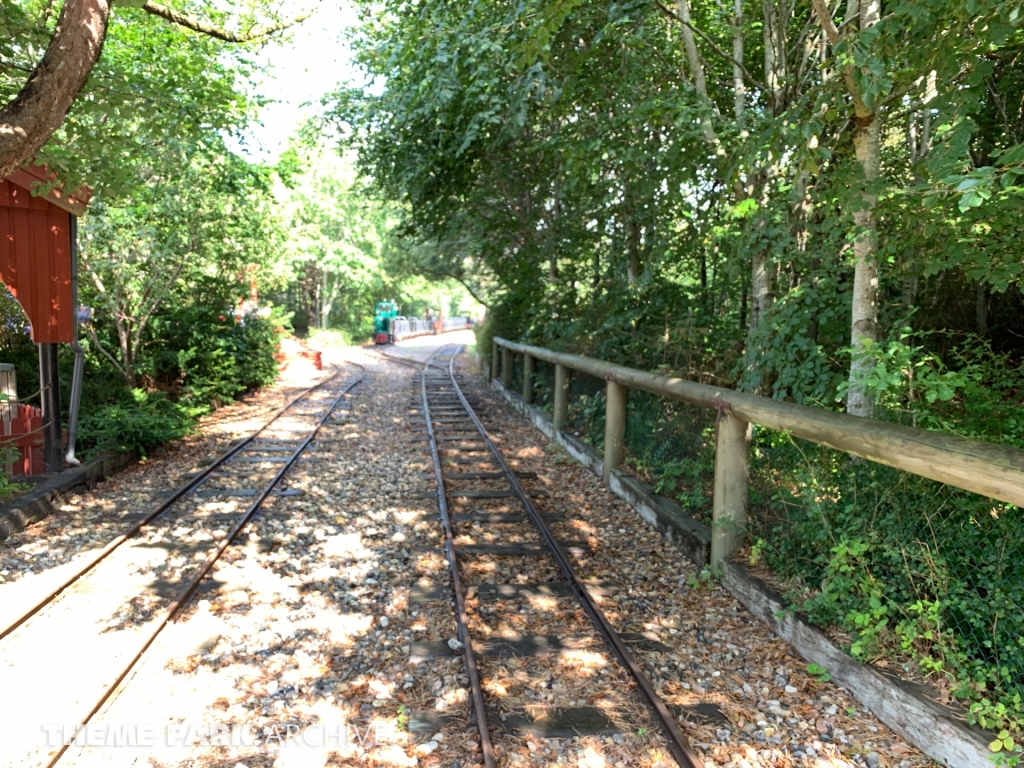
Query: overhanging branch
point(198, 25)
point(39, 109)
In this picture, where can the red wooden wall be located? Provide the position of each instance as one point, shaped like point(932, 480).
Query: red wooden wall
point(35, 261)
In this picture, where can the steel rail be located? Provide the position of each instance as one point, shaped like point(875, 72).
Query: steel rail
point(461, 618)
point(176, 495)
point(678, 743)
point(418, 365)
point(183, 597)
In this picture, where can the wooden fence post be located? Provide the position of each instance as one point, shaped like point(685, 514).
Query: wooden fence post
point(614, 428)
point(561, 415)
point(732, 483)
point(529, 365)
point(506, 368)
point(493, 373)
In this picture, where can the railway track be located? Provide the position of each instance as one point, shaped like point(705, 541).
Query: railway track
point(87, 634)
point(462, 452)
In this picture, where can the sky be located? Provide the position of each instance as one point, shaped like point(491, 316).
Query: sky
point(301, 68)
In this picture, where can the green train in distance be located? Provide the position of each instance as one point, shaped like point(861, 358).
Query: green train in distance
point(383, 322)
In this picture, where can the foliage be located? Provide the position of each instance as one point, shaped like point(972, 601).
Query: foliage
point(203, 221)
point(8, 455)
point(343, 252)
point(177, 227)
point(906, 565)
point(819, 672)
point(616, 196)
point(140, 422)
point(155, 81)
point(214, 355)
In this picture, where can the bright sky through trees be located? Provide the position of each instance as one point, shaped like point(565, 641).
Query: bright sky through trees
point(300, 68)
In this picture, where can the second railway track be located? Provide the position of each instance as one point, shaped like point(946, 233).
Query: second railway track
point(462, 452)
point(87, 634)
point(335, 610)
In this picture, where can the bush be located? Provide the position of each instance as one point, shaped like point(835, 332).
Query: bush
point(145, 421)
point(914, 570)
point(213, 356)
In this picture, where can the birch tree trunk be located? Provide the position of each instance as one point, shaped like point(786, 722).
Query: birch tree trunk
point(326, 300)
point(867, 145)
point(761, 289)
point(868, 149)
point(864, 313)
point(632, 251)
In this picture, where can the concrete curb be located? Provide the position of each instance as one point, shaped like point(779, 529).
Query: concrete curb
point(42, 500)
point(933, 728)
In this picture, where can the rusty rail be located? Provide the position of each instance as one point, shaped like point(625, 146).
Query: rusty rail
point(185, 595)
point(680, 747)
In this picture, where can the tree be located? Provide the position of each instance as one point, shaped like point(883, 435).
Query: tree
point(191, 219)
point(339, 235)
point(53, 84)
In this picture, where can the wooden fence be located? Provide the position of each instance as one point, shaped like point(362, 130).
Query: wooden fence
point(992, 470)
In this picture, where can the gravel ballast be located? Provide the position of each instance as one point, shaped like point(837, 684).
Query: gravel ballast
point(308, 621)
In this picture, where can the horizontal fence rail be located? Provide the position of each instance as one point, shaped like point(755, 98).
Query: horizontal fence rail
point(988, 469)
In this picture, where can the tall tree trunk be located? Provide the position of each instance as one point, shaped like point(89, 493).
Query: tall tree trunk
point(696, 67)
point(760, 288)
point(326, 300)
point(739, 86)
point(867, 146)
point(124, 339)
point(981, 308)
point(743, 308)
point(762, 281)
point(864, 315)
point(633, 251)
point(704, 298)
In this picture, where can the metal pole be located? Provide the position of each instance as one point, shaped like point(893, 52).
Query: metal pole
point(49, 385)
point(79, 369)
point(561, 415)
point(506, 368)
point(529, 365)
point(614, 428)
point(732, 482)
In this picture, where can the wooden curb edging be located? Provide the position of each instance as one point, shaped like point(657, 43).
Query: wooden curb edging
point(933, 728)
point(43, 499)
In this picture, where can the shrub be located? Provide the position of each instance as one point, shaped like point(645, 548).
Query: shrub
point(140, 423)
point(213, 356)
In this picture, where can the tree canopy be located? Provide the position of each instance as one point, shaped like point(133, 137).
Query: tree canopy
point(795, 180)
point(40, 80)
point(810, 200)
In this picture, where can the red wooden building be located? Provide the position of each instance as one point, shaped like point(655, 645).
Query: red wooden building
point(38, 265)
point(35, 252)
